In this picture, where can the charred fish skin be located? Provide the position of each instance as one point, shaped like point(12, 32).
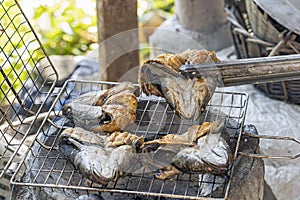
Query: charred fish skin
point(104, 111)
point(97, 163)
point(100, 158)
point(187, 96)
point(86, 116)
point(203, 149)
point(192, 160)
point(82, 135)
point(116, 118)
point(158, 153)
point(110, 140)
point(212, 154)
point(175, 88)
point(125, 159)
point(82, 157)
point(91, 98)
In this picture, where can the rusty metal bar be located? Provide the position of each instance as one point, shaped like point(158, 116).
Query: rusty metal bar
point(250, 71)
point(254, 155)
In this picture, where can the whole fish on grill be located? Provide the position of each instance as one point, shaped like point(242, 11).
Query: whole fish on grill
point(209, 154)
point(199, 158)
point(100, 158)
point(104, 111)
point(186, 94)
point(188, 138)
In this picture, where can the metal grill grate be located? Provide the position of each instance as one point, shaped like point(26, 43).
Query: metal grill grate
point(25, 86)
point(52, 172)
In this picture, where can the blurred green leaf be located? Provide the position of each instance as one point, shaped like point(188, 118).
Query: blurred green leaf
point(68, 30)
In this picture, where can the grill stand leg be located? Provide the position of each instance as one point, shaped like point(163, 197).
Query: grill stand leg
point(248, 173)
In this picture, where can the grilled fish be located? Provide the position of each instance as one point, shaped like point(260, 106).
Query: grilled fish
point(110, 140)
point(216, 160)
point(210, 154)
point(97, 157)
point(104, 111)
point(187, 95)
point(189, 138)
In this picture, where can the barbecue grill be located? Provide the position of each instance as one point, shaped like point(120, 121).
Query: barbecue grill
point(154, 118)
point(32, 120)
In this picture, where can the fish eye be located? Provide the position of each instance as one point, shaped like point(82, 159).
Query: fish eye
point(67, 110)
point(105, 119)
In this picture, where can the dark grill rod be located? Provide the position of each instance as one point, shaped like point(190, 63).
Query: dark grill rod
point(270, 156)
point(250, 71)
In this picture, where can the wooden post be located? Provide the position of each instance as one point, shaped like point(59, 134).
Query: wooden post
point(118, 39)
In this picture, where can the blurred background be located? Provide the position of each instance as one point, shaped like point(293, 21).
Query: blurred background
point(67, 30)
point(69, 27)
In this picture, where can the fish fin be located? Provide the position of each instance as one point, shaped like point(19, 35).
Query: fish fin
point(75, 143)
point(96, 176)
point(167, 172)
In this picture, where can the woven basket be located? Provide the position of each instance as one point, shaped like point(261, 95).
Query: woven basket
point(256, 34)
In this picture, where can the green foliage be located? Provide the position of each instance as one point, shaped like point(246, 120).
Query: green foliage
point(68, 31)
point(165, 5)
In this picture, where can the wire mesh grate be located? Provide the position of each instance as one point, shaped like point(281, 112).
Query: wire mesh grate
point(25, 84)
point(46, 168)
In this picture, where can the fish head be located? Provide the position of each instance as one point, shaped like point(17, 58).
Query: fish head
point(107, 111)
point(86, 116)
point(115, 118)
point(187, 95)
point(67, 111)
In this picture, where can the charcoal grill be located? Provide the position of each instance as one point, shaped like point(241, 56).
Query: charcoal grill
point(154, 118)
point(26, 113)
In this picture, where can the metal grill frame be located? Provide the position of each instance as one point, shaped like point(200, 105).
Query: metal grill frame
point(20, 47)
point(235, 109)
